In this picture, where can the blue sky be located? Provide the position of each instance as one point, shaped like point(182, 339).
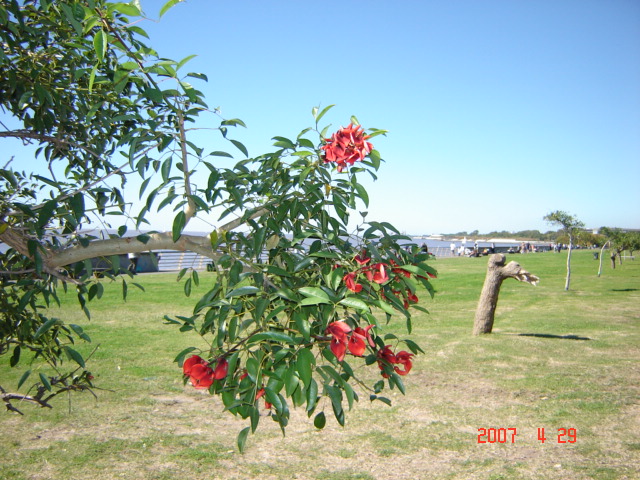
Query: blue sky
point(498, 112)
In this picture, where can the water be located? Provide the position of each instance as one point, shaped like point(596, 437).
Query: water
point(442, 248)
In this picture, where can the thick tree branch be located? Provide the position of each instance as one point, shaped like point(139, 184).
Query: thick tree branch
point(119, 246)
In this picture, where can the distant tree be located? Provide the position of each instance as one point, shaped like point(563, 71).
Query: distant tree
point(589, 239)
point(620, 241)
point(571, 226)
point(634, 242)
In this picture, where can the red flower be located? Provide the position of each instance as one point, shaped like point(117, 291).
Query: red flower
point(385, 357)
point(222, 367)
point(386, 354)
point(190, 362)
point(350, 282)
point(201, 374)
point(346, 146)
point(403, 358)
point(357, 344)
point(377, 273)
point(365, 333)
point(412, 297)
point(361, 258)
point(399, 271)
point(338, 331)
point(261, 393)
point(339, 348)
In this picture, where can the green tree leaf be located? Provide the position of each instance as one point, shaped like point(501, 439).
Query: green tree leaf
point(354, 302)
point(100, 42)
point(178, 225)
point(274, 336)
point(248, 290)
point(45, 327)
point(304, 365)
point(318, 116)
point(320, 421)
point(74, 355)
point(315, 292)
point(242, 436)
point(165, 8)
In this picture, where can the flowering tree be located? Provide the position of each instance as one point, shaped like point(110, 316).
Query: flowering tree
point(300, 296)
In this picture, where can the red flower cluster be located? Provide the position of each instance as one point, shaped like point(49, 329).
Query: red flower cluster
point(378, 273)
point(201, 374)
point(374, 273)
point(347, 146)
point(386, 356)
point(356, 342)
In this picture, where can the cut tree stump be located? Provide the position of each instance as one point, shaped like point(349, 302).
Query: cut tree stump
point(497, 272)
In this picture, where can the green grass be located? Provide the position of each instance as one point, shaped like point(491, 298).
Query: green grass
point(555, 359)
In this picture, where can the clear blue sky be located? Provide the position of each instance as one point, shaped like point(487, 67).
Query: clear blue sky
point(498, 112)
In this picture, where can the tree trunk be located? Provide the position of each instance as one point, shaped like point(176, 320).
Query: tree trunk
point(497, 272)
point(601, 252)
point(568, 281)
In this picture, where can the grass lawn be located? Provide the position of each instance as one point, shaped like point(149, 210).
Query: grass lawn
point(556, 360)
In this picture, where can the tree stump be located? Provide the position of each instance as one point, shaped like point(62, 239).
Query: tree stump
point(497, 272)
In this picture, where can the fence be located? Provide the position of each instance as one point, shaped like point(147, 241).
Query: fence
point(171, 260)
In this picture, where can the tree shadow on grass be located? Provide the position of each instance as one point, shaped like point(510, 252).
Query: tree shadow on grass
point(548, 335)
point(624, 289)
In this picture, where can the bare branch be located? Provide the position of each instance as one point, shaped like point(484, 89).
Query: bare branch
point(7, 398)
point(28, 134)
point(191, 205)
point(232, 225)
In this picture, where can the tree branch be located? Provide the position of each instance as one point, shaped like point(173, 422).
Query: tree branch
point(7, 398)
point(54, 259)
point(119, 246)
point(28, 134)
point(191, 205)
point(233, 224)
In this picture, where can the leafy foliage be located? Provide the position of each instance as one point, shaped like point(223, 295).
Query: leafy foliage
point(621, 240)
point(292, 270)
point(571, 226)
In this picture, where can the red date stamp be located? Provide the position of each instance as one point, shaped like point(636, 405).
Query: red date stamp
point(508, 435)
